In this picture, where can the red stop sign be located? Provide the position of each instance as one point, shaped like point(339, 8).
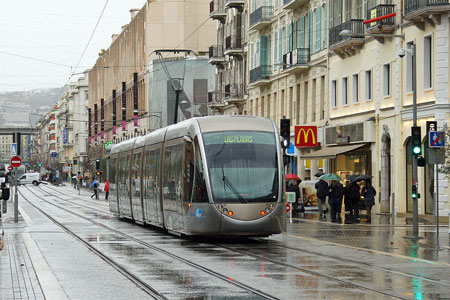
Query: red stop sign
point(288, 207)
point(16, 161)
point(9, 168)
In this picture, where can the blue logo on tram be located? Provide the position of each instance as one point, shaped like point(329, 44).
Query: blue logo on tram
point(198, 213)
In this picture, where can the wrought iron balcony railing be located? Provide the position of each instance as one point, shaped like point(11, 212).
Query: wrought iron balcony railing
point(235, 91)
point(297, 57)
point(233, 42)
point(413, 5)
point(261, 15)
point(260, 73)
point(378, 11)
point(216, 52)
point(356, 27)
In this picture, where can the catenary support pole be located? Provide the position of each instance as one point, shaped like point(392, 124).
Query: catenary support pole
point(437, 198)
point(393, 209)
point(414, 158)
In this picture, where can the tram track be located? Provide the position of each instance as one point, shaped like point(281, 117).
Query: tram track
point(129, 275)
point(306, 270)
point(311, 272)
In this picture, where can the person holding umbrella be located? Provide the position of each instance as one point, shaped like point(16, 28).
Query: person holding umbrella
point(368, 192)
point(322, 191)
point(335, 194)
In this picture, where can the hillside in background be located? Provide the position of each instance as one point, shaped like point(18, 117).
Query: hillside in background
point(15, 107)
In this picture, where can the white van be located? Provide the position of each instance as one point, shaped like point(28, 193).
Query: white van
point(27, 178)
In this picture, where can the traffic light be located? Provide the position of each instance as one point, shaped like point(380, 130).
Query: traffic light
point(69, 165)
point(421, 162)
point(97, 164)
point(414, 193)
point(40, 165)
point(416, 141)
point(285, 131)
point(98, 173)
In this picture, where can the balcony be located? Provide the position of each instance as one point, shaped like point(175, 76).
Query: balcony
point(235, 93)
point(260, 75)
point(347, 45)
point(238, 4)
point(217, 10)
point(216, 56)
point(261, 17)
point(296, 61)
point(233, 45)
point(430, 11)
point(216, 100)
point(294, 4)
point(382, 26)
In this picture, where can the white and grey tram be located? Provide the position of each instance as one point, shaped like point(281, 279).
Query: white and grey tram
point(209, 176)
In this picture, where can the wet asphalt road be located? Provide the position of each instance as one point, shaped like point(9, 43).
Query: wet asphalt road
point(312, 260)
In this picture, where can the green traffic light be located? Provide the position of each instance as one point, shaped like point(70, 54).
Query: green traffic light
point(417, 150)
point(414, 196)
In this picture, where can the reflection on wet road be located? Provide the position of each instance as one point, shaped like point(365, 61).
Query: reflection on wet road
point(311, 260)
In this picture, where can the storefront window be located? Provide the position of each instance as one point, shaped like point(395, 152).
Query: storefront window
point(357, 162)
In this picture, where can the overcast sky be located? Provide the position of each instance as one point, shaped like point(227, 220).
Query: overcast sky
point(55, 31)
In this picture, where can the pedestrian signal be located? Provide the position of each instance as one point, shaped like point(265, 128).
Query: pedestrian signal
point(97, 164)
point(98, 173)
point(416, 141)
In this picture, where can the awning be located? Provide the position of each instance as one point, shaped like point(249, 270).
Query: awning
point(331, 152)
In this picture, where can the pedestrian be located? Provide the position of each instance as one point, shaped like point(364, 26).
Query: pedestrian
point(293, 188)
point(94, 186)
point(347, 203)
point(368, 193)
point(106, 189)
point(354, 197)
point(322, 191)
point(335, 193)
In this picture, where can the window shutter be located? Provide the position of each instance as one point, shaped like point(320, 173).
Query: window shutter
point(275, 50)
point(318, 27)
point(280, 46)
point(263, 50)
point(310, 32)
point(301, 42)
point(325, 25)
point(294, 34)
point(252, 49)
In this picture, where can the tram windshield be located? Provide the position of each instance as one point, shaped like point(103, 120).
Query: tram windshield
point(242, 166)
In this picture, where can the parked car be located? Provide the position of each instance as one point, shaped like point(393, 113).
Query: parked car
point(30, 178)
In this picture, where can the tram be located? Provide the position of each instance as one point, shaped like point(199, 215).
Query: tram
point(207, 176)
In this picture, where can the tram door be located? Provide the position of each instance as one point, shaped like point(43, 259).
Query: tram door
point(188, 175)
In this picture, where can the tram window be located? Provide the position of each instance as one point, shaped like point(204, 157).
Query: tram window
point(151, 181)
point(242, 166)
point(200, 194)
point(136, 179)
point(172, 172)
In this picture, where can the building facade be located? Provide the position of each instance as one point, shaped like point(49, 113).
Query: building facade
point(119, 100)
point(229, 55)
point(288, 70)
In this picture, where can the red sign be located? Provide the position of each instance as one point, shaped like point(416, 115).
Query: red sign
point(9, 168)
point(306, 136)
point(16, 161)
point(288, 207)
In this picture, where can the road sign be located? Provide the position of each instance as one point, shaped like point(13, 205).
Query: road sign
point(9, 168)
point(16, 161)
point(436, 139)
point(288, 207)
point(13, 149)
point(431, 126)
point(290, 196)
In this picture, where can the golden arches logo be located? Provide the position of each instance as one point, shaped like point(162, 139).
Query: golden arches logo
point(305, 135)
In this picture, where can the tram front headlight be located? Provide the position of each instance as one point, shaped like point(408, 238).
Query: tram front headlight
point(267, 210)
point(220, 206)
point(271, 205)
point(225, 210)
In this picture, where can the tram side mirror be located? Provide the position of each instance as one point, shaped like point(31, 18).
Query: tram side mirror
point(187, 139)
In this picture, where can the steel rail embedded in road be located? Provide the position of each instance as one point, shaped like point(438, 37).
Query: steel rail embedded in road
point(164, 252)
point(141, 284)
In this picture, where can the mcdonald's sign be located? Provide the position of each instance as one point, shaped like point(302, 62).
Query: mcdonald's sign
point(306, 136)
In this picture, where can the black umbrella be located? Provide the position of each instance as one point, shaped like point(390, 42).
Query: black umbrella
point(319, 174)
point(352, 177)
point(362, 177)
